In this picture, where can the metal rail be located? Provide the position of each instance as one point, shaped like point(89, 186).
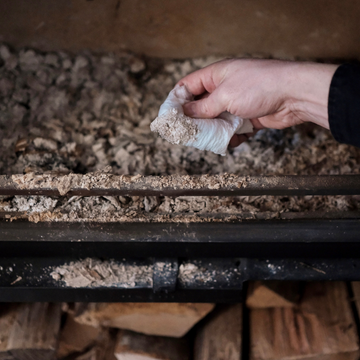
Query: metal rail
point(328, 238)
point(191, 186)
point(214, 280)
point(225, 255)
point(296, 247)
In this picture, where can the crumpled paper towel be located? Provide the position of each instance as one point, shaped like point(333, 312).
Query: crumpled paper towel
point(204, 134)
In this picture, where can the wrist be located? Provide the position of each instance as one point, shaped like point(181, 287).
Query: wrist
point(308, 86)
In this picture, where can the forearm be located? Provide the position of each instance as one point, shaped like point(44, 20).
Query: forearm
point(308, 91)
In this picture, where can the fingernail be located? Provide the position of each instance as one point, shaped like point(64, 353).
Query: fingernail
point(190, 109)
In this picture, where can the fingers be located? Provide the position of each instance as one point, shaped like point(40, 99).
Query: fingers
point(199, 81)
point(202, 96)
point(237, 139)
point(206, 108)
point(257, 125)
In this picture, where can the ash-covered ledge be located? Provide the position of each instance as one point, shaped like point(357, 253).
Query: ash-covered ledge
point(102, 183)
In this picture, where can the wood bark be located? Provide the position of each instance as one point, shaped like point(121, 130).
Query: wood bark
point(34, 333)
point(134, 346)
point(355, 285)
point(7, 319)
point(104, 349)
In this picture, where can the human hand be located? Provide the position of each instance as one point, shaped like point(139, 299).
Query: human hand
point(271, 93)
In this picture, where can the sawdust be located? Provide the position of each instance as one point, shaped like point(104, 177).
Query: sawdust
point(176, 128)
point(183, 209)
point(103, 180)
point(200, 182)
point(65, 183)
point(96, 273)
point(84, 113)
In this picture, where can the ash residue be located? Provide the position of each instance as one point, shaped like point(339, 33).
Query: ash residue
point(64, 183)
point(103, 180)
point(208, 274)
point(175, 128)
point(29, 204)
point(166, 209)
point(96, 273)
point(83, 112)
point(80, 113)
point(189, 272)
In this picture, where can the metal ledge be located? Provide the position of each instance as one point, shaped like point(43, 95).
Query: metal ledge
point(240, 186)
point(18, 283)
point(330, 238)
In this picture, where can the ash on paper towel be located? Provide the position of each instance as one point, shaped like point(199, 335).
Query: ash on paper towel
point(204, 134)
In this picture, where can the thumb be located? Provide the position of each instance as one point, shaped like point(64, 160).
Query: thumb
point(206, 108)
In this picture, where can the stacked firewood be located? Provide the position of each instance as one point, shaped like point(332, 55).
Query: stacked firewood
point(313, 320)
point(280, 320)
point(102, 331)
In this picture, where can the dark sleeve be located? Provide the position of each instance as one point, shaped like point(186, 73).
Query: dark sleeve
point(344, 104)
